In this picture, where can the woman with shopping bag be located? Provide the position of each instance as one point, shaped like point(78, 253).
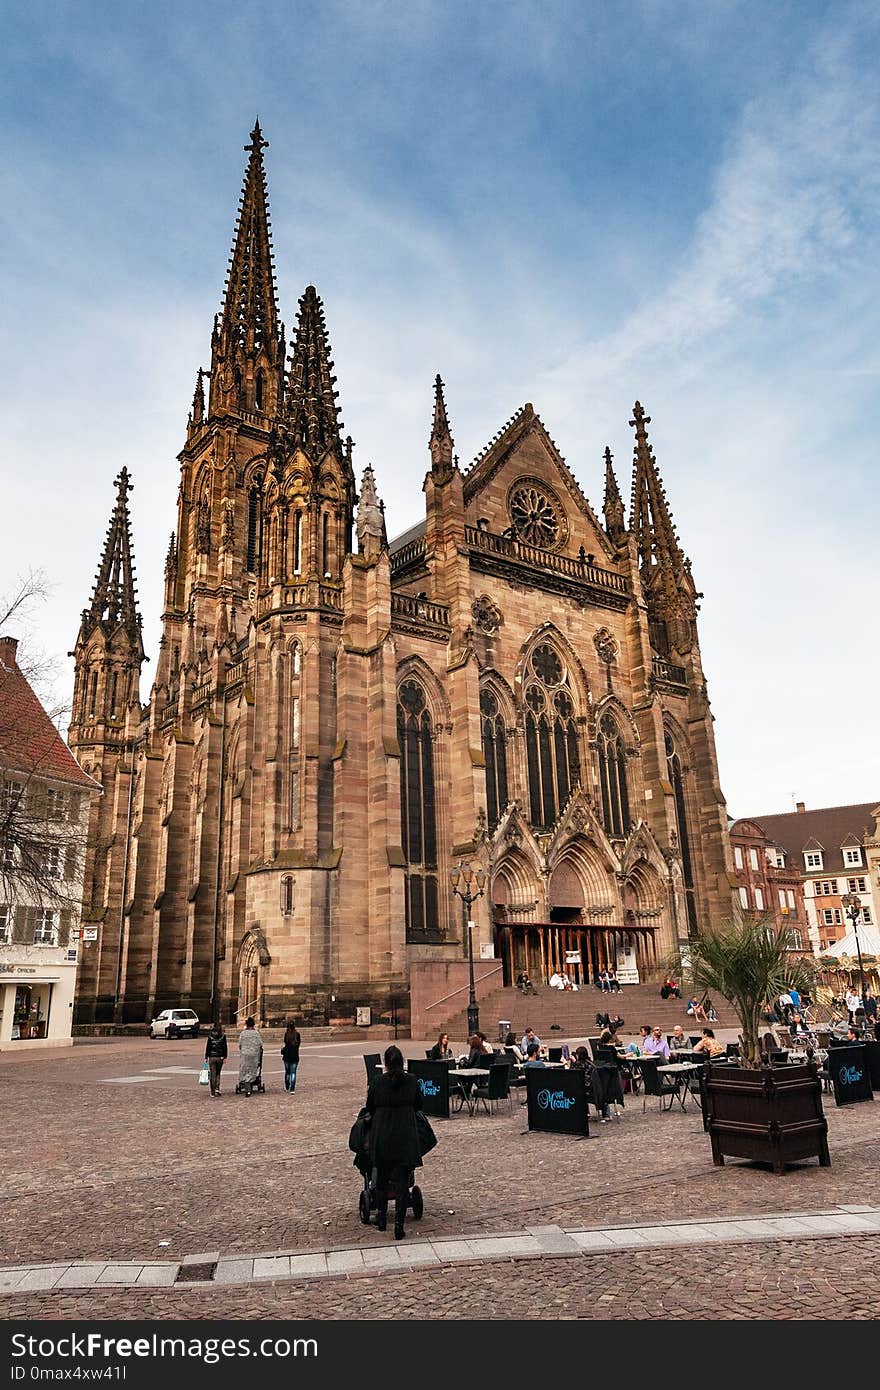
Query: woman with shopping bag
point(216, 1052)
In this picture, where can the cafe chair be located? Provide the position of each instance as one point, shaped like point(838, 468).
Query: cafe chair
point(371, 1061)
point(593, 1044)
point(732, 1050)
point(653, 1084)
point(554, 1054)
point(496, 1088)
point(778, 1059)
point(693, 1041)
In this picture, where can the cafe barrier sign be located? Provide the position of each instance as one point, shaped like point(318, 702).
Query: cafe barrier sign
point(557, 1100)
point(850, 1076)
point(433, 1079)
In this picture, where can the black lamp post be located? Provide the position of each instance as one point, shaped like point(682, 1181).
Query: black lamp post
point(469, 884)
point(852, 906)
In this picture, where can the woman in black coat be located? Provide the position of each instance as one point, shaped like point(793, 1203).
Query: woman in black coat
point(392, 1101)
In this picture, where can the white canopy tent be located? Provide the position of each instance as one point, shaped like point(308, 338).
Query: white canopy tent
point(869, 941)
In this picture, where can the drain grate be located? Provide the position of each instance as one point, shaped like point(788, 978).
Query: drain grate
point(196, 1274)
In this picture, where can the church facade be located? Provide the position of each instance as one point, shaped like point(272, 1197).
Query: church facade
point(336, 722)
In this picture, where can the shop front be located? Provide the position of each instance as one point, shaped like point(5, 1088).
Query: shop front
point(36, 996)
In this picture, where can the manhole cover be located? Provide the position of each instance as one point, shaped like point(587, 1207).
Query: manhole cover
point(195, 1274)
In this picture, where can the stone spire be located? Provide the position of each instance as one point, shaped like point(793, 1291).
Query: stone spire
point(370, 517)
point(247, 348)
point(310, 408)
point(663, 567)
point(114, 597)
point(441, 442)
point(615, 523)
point(197, 409)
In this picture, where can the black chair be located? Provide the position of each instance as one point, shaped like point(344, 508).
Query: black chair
point(732, 1050)
point(605, 1054)
point(593, 1043)
point(496, 1088)
point(778, 1059)
point(371, 1061)
point(554, 1054)
point(654, 1084)
point(694, 1040)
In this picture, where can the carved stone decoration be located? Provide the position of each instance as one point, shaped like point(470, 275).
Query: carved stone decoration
point(203, 526)
point(229, 526)
point(606, 645)
point(487, 615)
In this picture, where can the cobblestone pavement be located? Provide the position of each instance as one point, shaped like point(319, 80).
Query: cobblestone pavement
point(110, 1155)
point(830, 1279)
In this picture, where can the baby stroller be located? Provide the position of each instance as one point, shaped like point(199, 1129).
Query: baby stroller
point(358, 1141)
point(247, 1087)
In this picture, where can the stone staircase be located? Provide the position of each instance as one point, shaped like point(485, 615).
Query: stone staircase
point(575, 1012)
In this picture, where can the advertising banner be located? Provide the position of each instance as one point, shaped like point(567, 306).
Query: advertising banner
point(433, 1079)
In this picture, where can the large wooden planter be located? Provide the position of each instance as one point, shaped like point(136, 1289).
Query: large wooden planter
point(770, 1116)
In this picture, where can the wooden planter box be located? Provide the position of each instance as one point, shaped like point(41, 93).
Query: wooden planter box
point(770, 1116)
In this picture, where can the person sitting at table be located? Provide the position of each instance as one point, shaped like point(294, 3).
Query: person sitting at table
point(613, 982)
point(678, 1041)
point(797, 1028)
point(656, 1045)
point(533, 1056)
point(441, 1051)
point(709, 1044)
point(696, 1011)
point(607, 1038)
point(511, 1045)
point(478, 1051)
point(487, 1046)
point(529, 1036)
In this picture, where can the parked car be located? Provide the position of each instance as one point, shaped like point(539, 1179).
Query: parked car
point(175, 1023)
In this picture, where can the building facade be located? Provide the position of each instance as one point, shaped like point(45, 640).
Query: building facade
point(336, 720)
point(44, 816)
point(828, 849)
point(768, 885)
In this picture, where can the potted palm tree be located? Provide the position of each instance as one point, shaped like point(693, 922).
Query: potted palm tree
point(755, 1110)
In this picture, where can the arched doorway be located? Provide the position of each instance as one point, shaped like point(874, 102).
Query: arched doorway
point(250, 993)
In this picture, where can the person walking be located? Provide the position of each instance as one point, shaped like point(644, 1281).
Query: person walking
point(290, 1055)
point(250, 1056)
point(216, 1052)
point(392, 1101)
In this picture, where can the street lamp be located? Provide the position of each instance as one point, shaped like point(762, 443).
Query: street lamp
point(852, 906)
point(469, 884)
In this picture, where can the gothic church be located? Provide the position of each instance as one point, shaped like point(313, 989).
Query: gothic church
point(337, 720)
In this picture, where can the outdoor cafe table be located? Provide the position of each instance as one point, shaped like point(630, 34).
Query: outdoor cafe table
point(682, 1074)
point(472, 1075)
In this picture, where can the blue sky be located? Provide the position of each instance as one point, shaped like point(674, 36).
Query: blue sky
point(573, 204)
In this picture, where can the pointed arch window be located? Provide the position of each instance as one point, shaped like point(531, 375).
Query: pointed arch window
point(260, 389)
point(495, 754)
point(114, 691)
point(93, 694)
point(418, 819)
point(676, 776)
point(294, 736)
point(552, 743)
point(612, 778)
point(254, 529)
point(297, 542)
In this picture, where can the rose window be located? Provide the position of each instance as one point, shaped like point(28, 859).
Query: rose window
point(536, 515)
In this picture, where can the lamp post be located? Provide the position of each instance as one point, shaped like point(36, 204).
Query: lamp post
point(852, 906)
point(469, 884)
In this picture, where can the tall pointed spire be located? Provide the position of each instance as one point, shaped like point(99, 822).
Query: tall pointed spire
point(310, 407)
point(250, 311)
point(114, 597)
point(441, 442)
point(247, 344)
point(660, 555)
point(613, 504)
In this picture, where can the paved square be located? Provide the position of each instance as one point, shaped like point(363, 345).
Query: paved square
point(131, 1180)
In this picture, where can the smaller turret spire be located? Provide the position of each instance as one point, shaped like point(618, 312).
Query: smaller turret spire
point(441, 442)
point(370, 517)
point(114, 597)
point(197, 410)
point(310, 398)
point(613, 504)
point(661, 560)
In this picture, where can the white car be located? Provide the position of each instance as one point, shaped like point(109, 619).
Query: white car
point(175, 1023)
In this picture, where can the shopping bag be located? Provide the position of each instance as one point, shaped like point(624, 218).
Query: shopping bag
point(204, 1076)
